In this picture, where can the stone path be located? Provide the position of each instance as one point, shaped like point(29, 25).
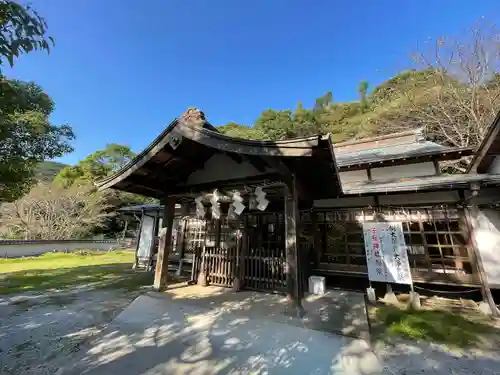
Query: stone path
point(158, 335)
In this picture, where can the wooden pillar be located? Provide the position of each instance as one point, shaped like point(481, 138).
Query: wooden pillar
point(294, 291)
point(165, 245)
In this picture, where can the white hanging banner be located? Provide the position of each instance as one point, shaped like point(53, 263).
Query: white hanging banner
point(386, 253)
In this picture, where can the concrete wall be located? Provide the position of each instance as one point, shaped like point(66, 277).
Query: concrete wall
point(16, 249)
point(487, 235)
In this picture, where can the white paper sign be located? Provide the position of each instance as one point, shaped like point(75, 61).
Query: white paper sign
point(386, 254)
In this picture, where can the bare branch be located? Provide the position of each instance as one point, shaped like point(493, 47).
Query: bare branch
point(50, 212)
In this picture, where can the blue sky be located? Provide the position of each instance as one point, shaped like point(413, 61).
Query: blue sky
point(121, 71)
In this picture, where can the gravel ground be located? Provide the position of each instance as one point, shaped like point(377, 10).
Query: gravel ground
point(39, 335)
point(432, 359)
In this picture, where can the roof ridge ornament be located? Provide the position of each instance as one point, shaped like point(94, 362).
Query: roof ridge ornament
point(420, 134)
point(193, 116)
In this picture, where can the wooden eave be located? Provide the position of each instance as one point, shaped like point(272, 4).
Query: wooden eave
point(184, 146)
point(488, 150)
point(448, 154)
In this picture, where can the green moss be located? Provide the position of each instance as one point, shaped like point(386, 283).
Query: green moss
point(439, 326)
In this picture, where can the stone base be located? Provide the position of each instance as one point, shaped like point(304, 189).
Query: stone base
point(294, 308)
point(202, 279)
point(370, 293)
point(414, 301)
point(391, 298)
point(159, 288)
point(485, 308)
point(236, 286)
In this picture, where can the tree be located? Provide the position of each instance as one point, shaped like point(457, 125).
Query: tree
point(275, 125)
point(22, 30)
point(306, 122)
point(454, 94)
point(233, 129)
point(96, 166)
point(50, 212)
point(323, 102)
point(27, 137)
point(363, 90)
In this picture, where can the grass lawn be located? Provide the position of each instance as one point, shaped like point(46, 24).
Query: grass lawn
point(112, 269)
point(440, 326)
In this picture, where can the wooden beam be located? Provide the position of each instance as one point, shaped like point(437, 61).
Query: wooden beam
point(165, 246)
point(294, 294)
point(223, 184)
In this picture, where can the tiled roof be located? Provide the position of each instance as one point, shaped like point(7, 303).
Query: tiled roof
point(388, 152)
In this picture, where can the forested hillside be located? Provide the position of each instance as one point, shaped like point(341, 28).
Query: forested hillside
point(47, 170)
point(454, 110)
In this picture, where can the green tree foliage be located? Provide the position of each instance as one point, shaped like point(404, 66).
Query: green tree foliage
point(96, 166)
point(235, 130)
point(27, 137)
point(22, 30)
point(363, 92)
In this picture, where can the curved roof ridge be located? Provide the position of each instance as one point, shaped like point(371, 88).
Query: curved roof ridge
point(193, 125)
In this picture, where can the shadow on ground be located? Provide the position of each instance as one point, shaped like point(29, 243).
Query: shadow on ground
point(168, 334)
point(192, 330)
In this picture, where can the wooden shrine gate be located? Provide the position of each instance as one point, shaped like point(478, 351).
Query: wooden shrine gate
point(257, 258)
point(264, 259)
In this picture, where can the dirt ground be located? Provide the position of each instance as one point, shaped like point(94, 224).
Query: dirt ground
point(39, 333)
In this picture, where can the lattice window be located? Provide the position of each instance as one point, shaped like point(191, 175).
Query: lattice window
point(437, 239)
point(341, 237)
point(194, 235)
